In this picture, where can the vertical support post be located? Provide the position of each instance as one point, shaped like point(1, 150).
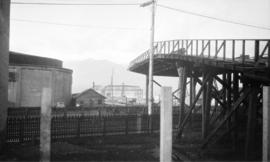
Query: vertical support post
point(45, 125)
point(268, 65)
point(182, 91)
point(4, 59)
point(235, 116)
point(206, 108)
point(256, 50)
point(224, 96)
point(191, 97)
point(166, 125)
point(203, 113)
point(266, 124)
point(251, 123)
point(229, 97)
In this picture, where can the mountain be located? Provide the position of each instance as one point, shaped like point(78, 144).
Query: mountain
point(100, 71)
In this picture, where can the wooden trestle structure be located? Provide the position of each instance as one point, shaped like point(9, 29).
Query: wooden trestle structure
point(229, 73)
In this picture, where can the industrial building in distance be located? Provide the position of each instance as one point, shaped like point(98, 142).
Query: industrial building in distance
point(29, 74)
point(121, 94)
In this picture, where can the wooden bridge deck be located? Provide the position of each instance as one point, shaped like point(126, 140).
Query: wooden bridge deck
point(230, 72)
point(217, 55)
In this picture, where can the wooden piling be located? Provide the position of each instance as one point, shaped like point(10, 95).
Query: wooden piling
point(251, 123)
point(182, 91)
point(206, 108)
point(235, 116)
point(192, 97)
point(266, 124)
point(166, 125)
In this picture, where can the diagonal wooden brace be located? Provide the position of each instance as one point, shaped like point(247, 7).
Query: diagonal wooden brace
point(234, 108)
point(181, 127)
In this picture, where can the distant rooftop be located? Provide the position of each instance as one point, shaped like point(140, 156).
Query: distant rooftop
point(16, 58)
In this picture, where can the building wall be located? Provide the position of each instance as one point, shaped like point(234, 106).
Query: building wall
point(25, 90)
point(90, 99)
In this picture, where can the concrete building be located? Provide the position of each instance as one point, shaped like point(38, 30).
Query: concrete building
point(29, 74)
point(89, 98)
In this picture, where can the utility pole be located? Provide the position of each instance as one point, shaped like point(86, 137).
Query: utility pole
point(150, 73)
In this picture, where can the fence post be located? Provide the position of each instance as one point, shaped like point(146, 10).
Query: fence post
point(148, 124)
point(45, 125)
point(139, 123)
point(104, 125)
point(166, 125)
point(126, 123)
point(21, 138)
point(79, 126)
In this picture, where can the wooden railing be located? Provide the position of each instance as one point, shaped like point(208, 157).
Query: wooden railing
point(243, 51)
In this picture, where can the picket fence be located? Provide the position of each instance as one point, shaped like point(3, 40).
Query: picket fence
point(26, 128)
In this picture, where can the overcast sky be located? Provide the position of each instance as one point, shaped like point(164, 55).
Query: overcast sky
point(121, 33)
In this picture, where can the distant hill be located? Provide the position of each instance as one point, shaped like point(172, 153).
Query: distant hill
point(100, 71)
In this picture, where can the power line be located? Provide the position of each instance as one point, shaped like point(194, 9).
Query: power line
point(214, 18)
point(75, 4)
point(75, 25)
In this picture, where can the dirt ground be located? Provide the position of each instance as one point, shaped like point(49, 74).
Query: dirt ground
point(110, 148)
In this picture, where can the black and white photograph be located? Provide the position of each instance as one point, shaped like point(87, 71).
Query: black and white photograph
point(135, 80)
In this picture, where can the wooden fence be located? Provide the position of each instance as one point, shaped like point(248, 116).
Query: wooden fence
point(26, 128)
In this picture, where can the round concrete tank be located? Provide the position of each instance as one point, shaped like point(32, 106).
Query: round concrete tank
point(29, 74)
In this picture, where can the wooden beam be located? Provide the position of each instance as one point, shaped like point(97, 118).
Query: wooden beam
point(182, 73)
point(192, 91)
point(157, 83)
point(229, 97)
point(215, 93)
point(251, 123)
point(182, 126)
point(266, 124)
point(222, 82)
point(234, 108)
point(235, 116)
point(206, 109)
point(179, 88)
